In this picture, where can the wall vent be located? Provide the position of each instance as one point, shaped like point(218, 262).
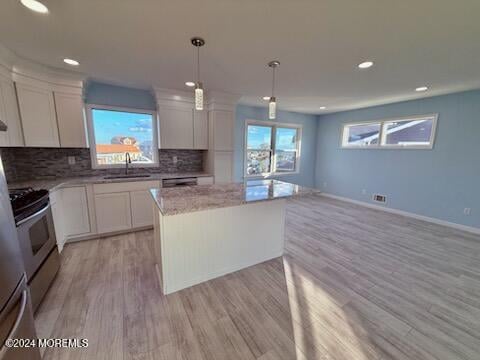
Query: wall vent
point(379, 198)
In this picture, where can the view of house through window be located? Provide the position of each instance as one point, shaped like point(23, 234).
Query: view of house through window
point(116, 133)
point(271, 148)
point(415, 132)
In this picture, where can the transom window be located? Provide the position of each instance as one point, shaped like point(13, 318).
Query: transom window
point(271, 148)
point(412, 132)
point(114, 132)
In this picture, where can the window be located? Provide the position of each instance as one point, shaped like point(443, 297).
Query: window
point(414, 133)
point(271, 148)
point(361, 134)
point(114, 132)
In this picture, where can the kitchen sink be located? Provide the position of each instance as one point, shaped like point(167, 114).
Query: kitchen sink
point(133, 176)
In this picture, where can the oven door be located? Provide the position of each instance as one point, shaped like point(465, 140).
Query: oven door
point(36, 235)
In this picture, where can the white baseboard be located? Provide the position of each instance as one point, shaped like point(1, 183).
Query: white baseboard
point(469, 229)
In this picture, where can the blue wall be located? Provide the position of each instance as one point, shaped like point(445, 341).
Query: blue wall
point(438, 183)
point(306, 176)
point(104, 94)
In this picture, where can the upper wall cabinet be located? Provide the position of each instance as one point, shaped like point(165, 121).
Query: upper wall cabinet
point(176, 128)
point(183, 128)
point(180, 126)
point(51, 109)
point(9, 114)
point(221, 130)
point(200, 130)
point(71, 120)
point(37, 110)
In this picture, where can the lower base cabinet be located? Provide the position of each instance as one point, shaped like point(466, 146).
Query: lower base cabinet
point(112, 212)
point(70, 214)
point(142, 209)
point(83, 211)
point(75, 207)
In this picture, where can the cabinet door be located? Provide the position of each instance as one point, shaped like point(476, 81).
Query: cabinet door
point(176, 128)
point(37, 111)
point(222, 130)
point(223, 166)
point(58, 223)
point(112, 212)
point(71, 121)
point(75, 211)
point(9, 114)
point(142, 208)
point(200, 130)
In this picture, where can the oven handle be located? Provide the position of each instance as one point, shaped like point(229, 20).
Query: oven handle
point(34, 215)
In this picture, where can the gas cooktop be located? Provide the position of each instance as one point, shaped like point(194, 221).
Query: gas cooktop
point(27, 201)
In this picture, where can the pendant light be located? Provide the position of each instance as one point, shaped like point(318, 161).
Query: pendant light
point(198, 42)
point(272, 104)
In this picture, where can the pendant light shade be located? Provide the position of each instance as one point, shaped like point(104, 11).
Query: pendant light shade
point(272, 104)
point(199, 96)
point(198, 42)
point(272, 108)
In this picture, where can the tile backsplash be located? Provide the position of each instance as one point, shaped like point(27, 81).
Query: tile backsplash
point(46, 163)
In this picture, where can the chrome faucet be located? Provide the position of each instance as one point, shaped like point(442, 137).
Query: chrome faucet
point(128, 160)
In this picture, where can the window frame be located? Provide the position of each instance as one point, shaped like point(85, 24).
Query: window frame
point(91, 135)
point(382, 134)
point(273, 158)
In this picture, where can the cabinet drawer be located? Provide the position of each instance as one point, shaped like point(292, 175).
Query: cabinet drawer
point(125, 186)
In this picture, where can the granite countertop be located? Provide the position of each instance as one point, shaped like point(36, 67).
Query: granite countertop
point(173, 201)
point(55, 184)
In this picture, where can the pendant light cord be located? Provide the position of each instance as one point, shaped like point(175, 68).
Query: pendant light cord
point(198, 64)
point(273, 81)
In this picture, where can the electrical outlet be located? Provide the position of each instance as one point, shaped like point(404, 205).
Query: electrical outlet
point(467, 211)
point(71, 160)
point(364, 191)
point(175, 160)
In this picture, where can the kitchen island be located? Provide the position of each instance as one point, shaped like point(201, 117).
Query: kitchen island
point(202, 232)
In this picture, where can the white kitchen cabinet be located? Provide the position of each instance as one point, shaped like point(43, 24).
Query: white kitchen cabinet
point(75, 211)
point(58, 219)
point(71, 214)
point(112, 212)
point(71, 120)
point(221, 130)
point(142, 208)
point(9, 114)
point(200, 130)
point(223, 170)
point(37, 111)
point(176, 128)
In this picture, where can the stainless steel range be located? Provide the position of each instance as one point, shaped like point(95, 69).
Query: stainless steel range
point(36, 234)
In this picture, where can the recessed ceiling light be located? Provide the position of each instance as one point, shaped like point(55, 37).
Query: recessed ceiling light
point(365, 64)
point(323, 107)
point(35, 5)
point(266, 98)
point(71, 62)
point(190, 83)
point(421, 88)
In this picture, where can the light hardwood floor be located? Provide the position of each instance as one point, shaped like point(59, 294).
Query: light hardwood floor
point(354, 284)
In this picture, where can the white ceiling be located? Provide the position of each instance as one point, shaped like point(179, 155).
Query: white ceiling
point(145, 43)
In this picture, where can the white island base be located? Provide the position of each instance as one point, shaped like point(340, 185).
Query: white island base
point(194, 247)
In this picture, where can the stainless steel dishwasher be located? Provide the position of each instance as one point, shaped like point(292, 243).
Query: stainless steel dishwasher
point(177, 182)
